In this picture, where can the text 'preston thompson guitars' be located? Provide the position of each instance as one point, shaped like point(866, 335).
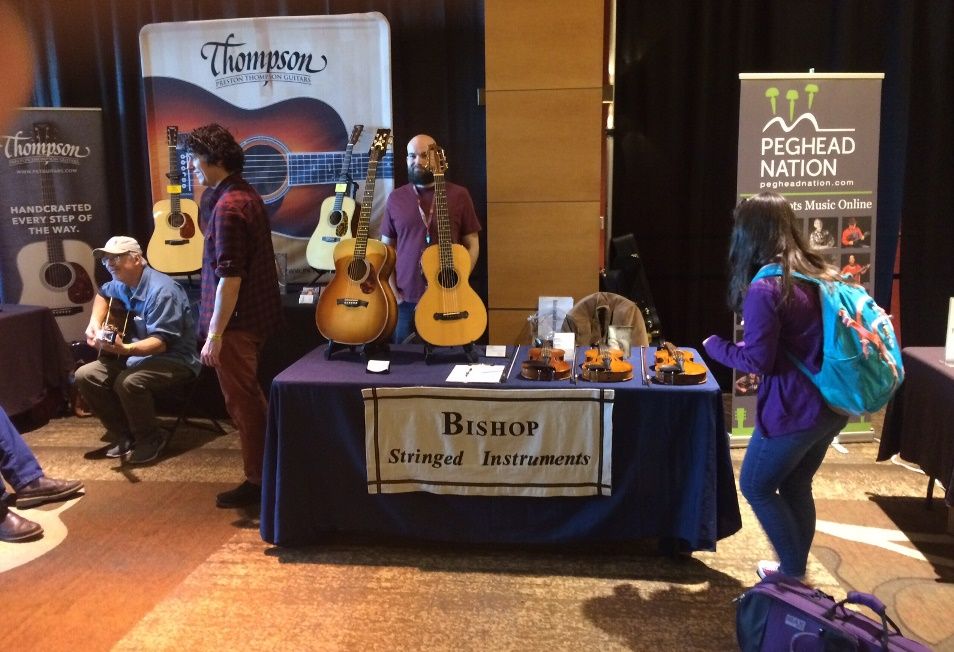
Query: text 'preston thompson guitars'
point(358, 306)
point(176, 244)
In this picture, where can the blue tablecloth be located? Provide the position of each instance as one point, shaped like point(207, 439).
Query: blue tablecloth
point(672, 474)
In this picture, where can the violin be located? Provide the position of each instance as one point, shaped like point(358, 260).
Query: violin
point(606, 365)
point(545, 363)
point(677, 367)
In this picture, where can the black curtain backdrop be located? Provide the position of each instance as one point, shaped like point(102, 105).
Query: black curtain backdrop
point(677, 96)
point(88, 56)
point(676, 140)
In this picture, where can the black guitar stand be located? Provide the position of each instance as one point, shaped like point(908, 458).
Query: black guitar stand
point(370, 351)
point(470, 351)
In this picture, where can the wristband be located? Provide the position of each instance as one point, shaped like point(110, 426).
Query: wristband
point(214, 336)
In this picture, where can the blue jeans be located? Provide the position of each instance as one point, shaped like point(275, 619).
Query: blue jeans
point(18, 465)
point(405, 322)
point(776, 480)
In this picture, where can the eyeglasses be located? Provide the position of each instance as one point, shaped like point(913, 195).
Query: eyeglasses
point(112, 258)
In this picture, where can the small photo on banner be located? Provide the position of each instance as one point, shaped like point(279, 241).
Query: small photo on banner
point(291, 90)
point(489, 442)
point(53, 196)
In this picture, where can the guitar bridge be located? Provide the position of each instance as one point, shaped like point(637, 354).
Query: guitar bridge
point(176, 242)
point(330, 238)
point(352, 303)
point(451, 316)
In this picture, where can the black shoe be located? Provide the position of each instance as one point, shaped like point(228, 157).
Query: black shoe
point(147, 450)
point(46, 490)
point(14, 528)
point(122, 449)
point(242, 496)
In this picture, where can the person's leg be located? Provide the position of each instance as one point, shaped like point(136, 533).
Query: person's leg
point(405, 322)
point(244, 399)
point(94, 381)
point(796, 488)
point(137, 387)
point(18, 464)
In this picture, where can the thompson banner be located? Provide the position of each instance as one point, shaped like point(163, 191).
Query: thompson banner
point(55, 211)
point(290, 89)
point(546, 442)
point(813, 138)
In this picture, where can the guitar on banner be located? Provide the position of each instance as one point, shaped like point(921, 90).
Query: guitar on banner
point(57, 273)
point(358, 306)
point(449, 313)
point(334, 221)
point(176, 244)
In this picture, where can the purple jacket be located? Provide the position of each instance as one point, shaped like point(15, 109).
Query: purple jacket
point(787, 400)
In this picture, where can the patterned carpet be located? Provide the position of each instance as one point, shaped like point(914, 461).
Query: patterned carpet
point(144, 561)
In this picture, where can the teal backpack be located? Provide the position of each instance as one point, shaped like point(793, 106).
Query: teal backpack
point(861, 360)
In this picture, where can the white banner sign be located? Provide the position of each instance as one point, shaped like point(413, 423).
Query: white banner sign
point(537, 442)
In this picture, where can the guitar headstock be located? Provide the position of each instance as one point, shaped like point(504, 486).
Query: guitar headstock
point(44, 132)
point(436, 159)
point(172, 135)
point(355, 135)
point(382, 138)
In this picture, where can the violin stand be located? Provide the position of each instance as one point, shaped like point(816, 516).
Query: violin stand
point(470, 350)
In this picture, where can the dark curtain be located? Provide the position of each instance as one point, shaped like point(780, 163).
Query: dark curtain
point(676, 140)
point(88, 56)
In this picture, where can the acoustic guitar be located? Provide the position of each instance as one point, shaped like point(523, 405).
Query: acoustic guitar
point(334, 220)
point(177, 243)
point(449, 313)
point(57, 272)
point(358, 306)
point(113, 327)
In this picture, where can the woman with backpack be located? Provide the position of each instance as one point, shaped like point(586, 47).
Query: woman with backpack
point(781, 324)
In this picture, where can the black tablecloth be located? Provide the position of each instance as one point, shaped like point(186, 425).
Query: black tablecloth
point(672, 474)
point(918, 421)
point(35, 360)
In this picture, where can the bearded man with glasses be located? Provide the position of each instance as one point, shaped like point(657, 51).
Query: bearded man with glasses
point(143, 325)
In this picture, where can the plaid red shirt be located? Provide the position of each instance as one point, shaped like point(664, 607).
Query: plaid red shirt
point(238, 242)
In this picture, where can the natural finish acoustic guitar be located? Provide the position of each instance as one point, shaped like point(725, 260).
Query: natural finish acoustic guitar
point(176, 244)
point(334, 218)
point(449, 313)
point(358, 306)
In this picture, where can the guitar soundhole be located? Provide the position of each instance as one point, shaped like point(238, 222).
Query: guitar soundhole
point(448, 278)
point(334, 217)
point(176, 220)
point(58, 276)
point(266, 169)
point(358, 270)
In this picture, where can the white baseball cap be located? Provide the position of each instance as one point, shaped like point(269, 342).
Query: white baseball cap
point(119, 244)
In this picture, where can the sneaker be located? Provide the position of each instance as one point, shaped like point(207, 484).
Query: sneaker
point(147, 450)
point(122, 449)
point(244, 495)
point(766, 567)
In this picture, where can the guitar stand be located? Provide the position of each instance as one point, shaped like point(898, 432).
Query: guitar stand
point(470, 351)
point(376, 351)
point(333, 347)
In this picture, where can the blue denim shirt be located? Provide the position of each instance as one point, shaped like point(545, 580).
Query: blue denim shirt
point(160, 308)
point(787, 400)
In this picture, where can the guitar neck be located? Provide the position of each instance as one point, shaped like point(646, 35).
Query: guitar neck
point(305, 169)
point(364, 220)
point(54, 245)
point(175, 175)
point(344, 178)
point(444, 239)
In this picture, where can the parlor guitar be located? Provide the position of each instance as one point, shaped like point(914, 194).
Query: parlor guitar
point(449, 313)
point(334, 220)
point(358, 306)
point(176, 244)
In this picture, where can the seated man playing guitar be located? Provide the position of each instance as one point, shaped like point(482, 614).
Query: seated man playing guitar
point(151, 349)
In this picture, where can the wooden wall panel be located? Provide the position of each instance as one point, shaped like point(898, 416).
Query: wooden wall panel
point(508, 327)
point(543, 44)
point(544, 145)
point(541, 249)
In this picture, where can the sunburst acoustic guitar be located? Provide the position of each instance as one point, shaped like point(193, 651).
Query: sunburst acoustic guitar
point(57, 272)
point(358, 306)
point(334, 219)
point(176, 244)
point(449, 313)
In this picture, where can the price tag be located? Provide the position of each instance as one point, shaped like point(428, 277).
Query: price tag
point(174, 190)
point(341, 187)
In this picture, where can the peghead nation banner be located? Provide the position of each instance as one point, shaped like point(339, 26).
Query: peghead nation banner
point(814, 139)
point(290, 89)
point(487, 442)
